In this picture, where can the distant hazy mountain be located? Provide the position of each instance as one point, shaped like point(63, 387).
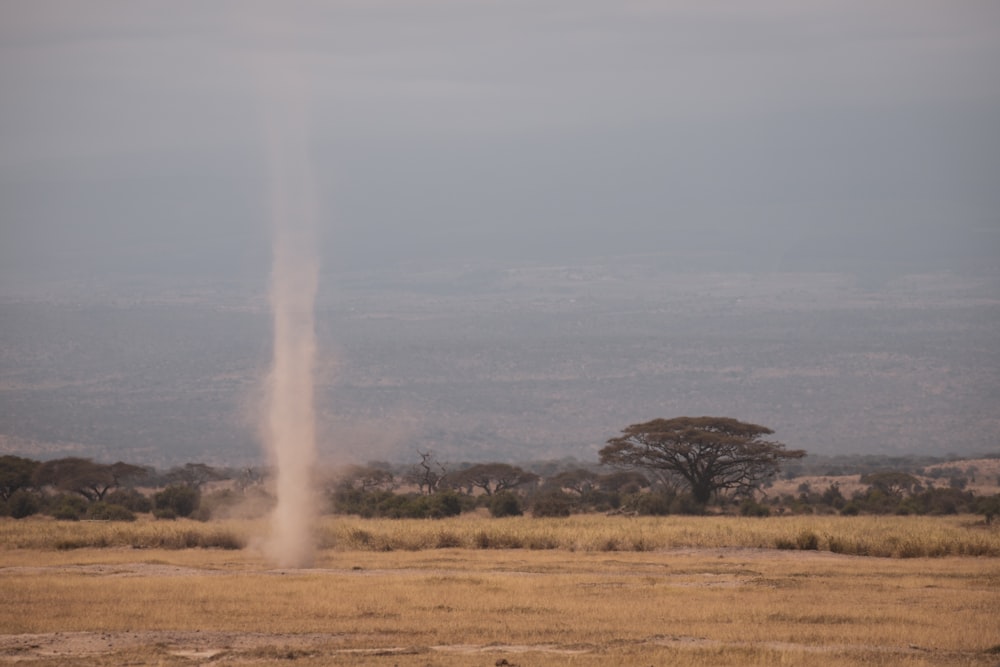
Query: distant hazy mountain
point(510, 362)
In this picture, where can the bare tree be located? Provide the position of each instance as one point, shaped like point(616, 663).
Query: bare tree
point(427, 474)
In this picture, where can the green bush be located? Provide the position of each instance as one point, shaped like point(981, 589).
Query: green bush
point(67, 507)
point(443, 504)
point(130, 499)
point(751, 507)
point(21, 504)
point(181, 500)
point(386, 504)
point(685, 503)
point(505, 504)
point(551, 503)
point(654, 503)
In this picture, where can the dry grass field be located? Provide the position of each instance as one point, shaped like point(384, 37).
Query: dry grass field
point(589, 590)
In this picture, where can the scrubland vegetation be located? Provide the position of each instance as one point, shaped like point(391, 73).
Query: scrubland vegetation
point(501, 565)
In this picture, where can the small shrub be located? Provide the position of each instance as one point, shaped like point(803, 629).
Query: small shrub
point(807, 541)
point(130, 499)
point(442, 504)
point(686, 504)
point(505, 504)
point(102, 511)
point(654, 503)
point(751, 507)
point(182, 500)
point(447, 540)
point(486, 540)
point(554, 503)
point(68, 507)
point(851, 509)
point(21, 504)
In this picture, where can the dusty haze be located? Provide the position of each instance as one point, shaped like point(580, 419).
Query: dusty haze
point(537, 222)
point(291, 416)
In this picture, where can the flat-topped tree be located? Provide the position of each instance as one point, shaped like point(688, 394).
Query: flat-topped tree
point(91, 480)
point(492, 478)
point(710, 454)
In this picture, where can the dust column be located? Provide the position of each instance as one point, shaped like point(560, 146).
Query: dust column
point(290, 419)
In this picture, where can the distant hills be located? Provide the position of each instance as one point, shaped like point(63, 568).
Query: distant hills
point(505, 362)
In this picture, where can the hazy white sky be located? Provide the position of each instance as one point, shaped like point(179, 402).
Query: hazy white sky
point(133, 137)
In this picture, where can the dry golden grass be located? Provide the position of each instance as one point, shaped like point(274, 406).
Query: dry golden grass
point(887, 536)
point(462, 607)
point(584, 591)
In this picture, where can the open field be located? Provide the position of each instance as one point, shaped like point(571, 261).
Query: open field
point(699, 591)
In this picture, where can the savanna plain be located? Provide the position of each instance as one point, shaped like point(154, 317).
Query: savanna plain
point(473, 590)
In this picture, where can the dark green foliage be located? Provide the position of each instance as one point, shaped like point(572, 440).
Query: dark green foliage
point(176, 499)
point(102, 511)
point(505, 503)
point(654, 504)
point(15, 474)
point(880, 499)
point(91, 480)
point(383, 503)
point(710, 454)
point(492, 478)
point(67, 507)
point(553, 504)
point(750, 507)
point(892, 483)
point(21, 503)
point(989, 507)
point(131, 500)
point(851, 509)
point(440, 505)
point(686, 503)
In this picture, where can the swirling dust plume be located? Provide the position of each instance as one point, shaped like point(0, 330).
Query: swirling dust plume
point(289, 413)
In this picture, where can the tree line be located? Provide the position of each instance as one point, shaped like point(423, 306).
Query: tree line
point(684, 465)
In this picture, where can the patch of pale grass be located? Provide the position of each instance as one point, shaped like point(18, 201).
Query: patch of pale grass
point(887, 536)
point(46, 533)
point(551, 606)
point(862, 535)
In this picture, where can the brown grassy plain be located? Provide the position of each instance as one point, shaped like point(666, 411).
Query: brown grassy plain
point(601, 590)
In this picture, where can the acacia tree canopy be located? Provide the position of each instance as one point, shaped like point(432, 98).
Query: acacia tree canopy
point(492, 477)
point(91, 480)
point(15, 474)
point(710, 454)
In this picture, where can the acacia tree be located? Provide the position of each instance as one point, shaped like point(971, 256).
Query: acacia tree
point(578, 480)
point(491, 477)
point(710, 454)
point(367, 478)
point(195, 475)
point(91, 480)
point(15, 474)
